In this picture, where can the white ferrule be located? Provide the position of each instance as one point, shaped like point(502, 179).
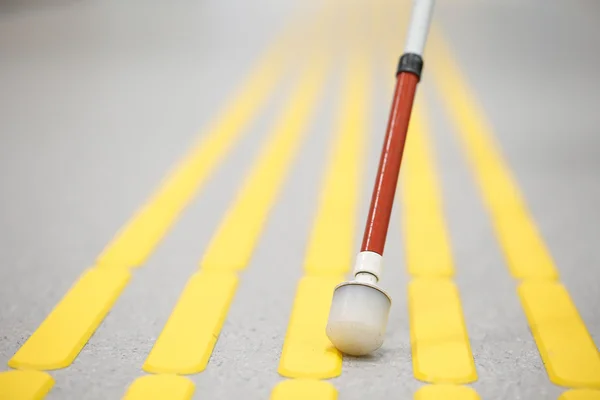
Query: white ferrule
point(368, 262)
point(419, 26)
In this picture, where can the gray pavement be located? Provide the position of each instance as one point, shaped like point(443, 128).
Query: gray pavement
point(99, 99)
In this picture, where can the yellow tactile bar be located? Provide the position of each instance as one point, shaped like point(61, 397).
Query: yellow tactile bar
point(330, 247)
point(304, 389)
point(187, 341)
point(580, 394)
point(188, 338)
point(446, 392)
point(65, 331)
point(524, 249)
point(427, 242)
point(136, 240)
point(568, 351)
point(160, 387)
point(307, 352)
point(233, 244)
point(24, 385)
point(569, 355)
point(62, 335)
point(439, 339)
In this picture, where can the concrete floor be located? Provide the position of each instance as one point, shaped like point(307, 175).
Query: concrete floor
point(99, 99)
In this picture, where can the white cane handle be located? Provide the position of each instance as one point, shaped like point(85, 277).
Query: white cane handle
point(419, 26)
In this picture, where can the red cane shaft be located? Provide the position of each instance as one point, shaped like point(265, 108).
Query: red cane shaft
point(384, 191)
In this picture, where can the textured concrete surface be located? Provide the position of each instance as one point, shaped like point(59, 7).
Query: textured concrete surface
point(99, 99)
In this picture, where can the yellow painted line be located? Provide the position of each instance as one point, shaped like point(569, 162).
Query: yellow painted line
point(160, 387)
point(232, 246)
point(580, 394)
point(523, 246)
point(62, 335)
point(190, 334)
point(331, 244)
point(303, 389)
point(307, 351)
point(439, 338)
point(136, 240)
point(567, 349)
point(24, 385)
point(427, 242)
point(446, 392)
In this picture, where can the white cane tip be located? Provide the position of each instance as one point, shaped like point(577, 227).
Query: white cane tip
point(358, 318)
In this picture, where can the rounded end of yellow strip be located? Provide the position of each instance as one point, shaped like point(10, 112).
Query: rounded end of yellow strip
point(25, 385)
point(580, 394)
point(447, 377)
point(310, 372)
point(545, 275)
point(307, 351)
point(17, 363)
point(189, 336)
point(564, 342)
point(68, 327)
point(302, 389)
point(446, 392)
point(440, 341)
point(160, 387)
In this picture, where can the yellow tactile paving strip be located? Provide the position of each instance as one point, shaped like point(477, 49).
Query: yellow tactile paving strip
point(25, 385)
point(245, 219)
point(302, 389)
point(59, 339)
point(524, 249)
point(442, 356)
point(439, 338)
point(189, 336)
point(580, 394)
point(446, 392)
point(307, 352)
point(569, 354)
point(426, 236)
point(187, 340)
point(158, 387)
point(138, 238)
